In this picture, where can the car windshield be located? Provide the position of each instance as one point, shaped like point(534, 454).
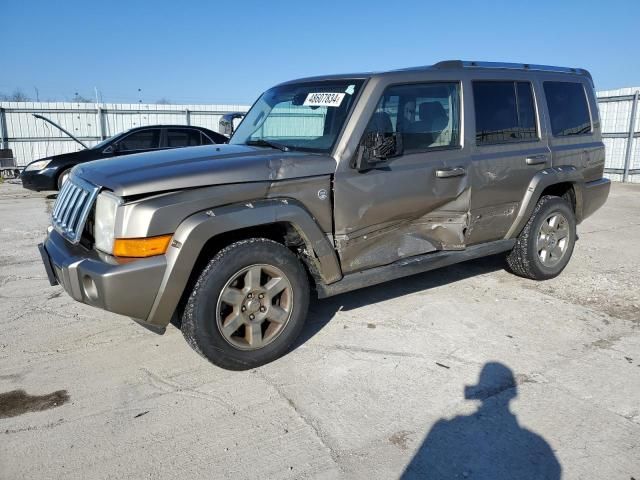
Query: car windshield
point(300, 116)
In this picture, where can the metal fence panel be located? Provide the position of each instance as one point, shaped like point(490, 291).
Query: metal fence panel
point(31, 138)
point(620, 117)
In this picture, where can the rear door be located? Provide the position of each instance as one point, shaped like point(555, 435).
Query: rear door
point(575, 129)
point(417, 203)
point(183, 137)
point(510, 147)
point(139, 141)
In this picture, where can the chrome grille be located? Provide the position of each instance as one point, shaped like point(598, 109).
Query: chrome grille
point(72, 207)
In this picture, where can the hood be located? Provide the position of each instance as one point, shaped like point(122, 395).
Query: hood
point(78, 156)
point(208, 165)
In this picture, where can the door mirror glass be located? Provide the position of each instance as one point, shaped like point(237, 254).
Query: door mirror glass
point(376, 148)
point(226, 127)
point(228, 123)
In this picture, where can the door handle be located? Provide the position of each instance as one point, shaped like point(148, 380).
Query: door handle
point(450, 172)
point(536, 159)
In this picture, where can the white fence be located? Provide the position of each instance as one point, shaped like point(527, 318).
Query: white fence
point(31, 138)
point(620, 126)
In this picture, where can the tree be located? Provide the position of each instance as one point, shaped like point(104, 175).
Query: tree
point(77, 98)
point(17, 96)
point(163, 101)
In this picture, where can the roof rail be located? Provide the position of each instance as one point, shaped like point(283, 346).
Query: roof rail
point(504, 65)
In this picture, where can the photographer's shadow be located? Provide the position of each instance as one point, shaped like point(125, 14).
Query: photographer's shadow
point(488, 444)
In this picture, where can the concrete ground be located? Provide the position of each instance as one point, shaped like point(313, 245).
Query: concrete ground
point(375, 388)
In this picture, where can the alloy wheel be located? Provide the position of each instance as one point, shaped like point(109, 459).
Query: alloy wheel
point(254, 306)
point(553, 239)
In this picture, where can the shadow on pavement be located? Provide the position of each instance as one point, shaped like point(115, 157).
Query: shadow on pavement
point(488, 444)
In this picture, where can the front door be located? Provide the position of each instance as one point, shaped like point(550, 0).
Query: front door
point(417, 203)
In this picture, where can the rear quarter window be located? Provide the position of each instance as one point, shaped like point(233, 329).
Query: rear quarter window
point(568, 108)
point(205, 140)
point(179, 137)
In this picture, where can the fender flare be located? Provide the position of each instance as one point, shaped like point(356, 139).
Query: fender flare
point(195, 231)
point(540, 181)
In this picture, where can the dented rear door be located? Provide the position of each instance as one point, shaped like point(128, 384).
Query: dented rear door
point(509, 146)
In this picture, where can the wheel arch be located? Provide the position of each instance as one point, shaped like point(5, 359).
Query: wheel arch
point(566, 182)
point(203, 234)
point(564, 190)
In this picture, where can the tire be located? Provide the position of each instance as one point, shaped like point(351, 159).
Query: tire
point(541, 233)
point(209, 322)
point(63, 178)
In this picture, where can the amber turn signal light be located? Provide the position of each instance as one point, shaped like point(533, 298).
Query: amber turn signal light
point(141, 247)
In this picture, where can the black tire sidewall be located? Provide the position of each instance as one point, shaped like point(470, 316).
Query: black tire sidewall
point(208, 337)
point(552, 205)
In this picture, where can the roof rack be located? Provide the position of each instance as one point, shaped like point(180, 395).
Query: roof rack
point(504, 65)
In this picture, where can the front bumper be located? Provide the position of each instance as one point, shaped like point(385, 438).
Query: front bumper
point(124, 287)
point(45, 179)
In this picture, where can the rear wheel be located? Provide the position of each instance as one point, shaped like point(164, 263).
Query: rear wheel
point(544, 247)
point(248, 305)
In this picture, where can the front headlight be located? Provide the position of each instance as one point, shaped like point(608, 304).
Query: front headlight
point(39, 165)
point(104, 224)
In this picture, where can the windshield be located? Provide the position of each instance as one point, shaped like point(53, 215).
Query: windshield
point(302, 116)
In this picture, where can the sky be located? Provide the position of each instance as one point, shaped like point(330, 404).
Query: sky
point(231, 51)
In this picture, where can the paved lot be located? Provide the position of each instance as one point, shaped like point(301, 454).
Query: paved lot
point(375, 389)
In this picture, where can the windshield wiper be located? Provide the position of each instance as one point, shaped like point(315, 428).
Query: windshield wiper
point(261, 142)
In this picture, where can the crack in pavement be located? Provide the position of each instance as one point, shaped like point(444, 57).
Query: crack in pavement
point(317, 430)
point(163, 384)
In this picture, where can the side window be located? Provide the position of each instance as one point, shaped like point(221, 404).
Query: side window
point(505, 112)
point(568, 108)
point(142, 140)
point(427, 115)
point(182, 137)
point(205, 140)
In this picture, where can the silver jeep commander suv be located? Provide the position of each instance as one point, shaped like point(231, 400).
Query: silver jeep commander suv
point(330, 184)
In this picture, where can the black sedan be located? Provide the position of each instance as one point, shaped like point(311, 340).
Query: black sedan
point(51, 172)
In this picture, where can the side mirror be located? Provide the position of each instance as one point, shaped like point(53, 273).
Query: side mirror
point(376, 148)
point(226, 127)
point(111, 148)
point(226, 123)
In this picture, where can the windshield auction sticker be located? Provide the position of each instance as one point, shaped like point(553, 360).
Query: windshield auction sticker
point(324, 99)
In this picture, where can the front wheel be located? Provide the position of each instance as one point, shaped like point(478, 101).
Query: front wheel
point(63, 177)
point(544, 247)
point(248, 305)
